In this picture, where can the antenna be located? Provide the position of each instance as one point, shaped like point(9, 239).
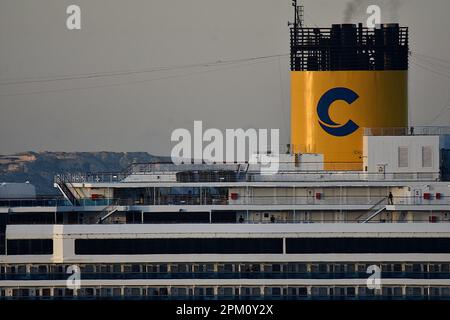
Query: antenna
point(299, 18)
point(300, 15)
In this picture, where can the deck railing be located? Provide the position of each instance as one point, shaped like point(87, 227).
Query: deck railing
point(242, 200)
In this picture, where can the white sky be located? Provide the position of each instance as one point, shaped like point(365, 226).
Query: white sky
point(141, 112)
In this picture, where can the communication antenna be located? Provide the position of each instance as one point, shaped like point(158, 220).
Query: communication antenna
point(299, 15)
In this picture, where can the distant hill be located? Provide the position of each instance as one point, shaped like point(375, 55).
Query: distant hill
point(39, 168)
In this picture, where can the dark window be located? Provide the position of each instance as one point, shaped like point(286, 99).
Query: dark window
point(224, 216)
point(32, 218)
point(302, 292)
point(351, 292)
point(178, 246)
point(46, 292)
point(30, 246)
point(368, 245)
point(276, 268)
point(175, 217)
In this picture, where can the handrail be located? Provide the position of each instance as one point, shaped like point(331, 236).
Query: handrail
point(182, 199)
point(407, 131)
point(253, 175)
point(225, 275)
point(374, 209)
point(107, 211)
point(66, 191)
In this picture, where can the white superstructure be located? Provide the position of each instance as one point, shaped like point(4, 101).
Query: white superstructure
point(160, 231)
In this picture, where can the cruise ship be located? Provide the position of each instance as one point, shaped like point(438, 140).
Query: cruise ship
point(358, 210)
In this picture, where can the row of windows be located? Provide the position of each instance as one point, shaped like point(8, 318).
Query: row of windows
point(236, 246)
point(230, 291)
point(262, 245)
point(179, 246)
point(227, 268)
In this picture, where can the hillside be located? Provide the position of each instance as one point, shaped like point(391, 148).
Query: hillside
point(40, 167)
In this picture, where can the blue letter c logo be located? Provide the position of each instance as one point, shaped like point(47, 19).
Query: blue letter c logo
point(323, 108)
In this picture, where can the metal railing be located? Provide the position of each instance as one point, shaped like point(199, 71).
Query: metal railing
point(221, 275)
point(283, 175)
point(187, 200)
point(405, 131)
point(230, 297)
point(375, 209)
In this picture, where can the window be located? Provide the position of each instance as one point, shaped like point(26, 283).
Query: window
point(417, 267)
point(319, 291)
point(201, 268)
point(292, 292)
point(57, 269)
point(135, 268)
point(152, 268)
point(362, 267)
point(225, 268)
point(178, 292)
point(152, 291)
point(178, 246)
point(414, 291)
point(386, 267)
point(391, 291)
point(127, 268)
point(46, 292)
point(445, 292)
point(365, 292)
point(105, 268)
point(351, 292)
point(338, 268)
point(163, 268)
point(403, 157)
point(21, 269)
point(290, 267)
point(337, 292)
point(350, 268)
point(132, 292)
point(434, 267)
point(163, 292)
point(276, 291)
point(434, 292)
point(89, 268)
point(398, 292)
point(21, 292)
point(427, 157)
point(183, 268)
point(225, 291)
point(323, 268)
point(302, 268)
point(366, 245)
point(303, 292)
point(199, 291)
point(58, 292)
point(245, 291)
point(68, 292)
point(30, 246)
point(42, 269)
point(106, 292)
point(87, 292)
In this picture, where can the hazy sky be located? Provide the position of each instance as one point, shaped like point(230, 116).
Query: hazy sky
point(137, 112)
